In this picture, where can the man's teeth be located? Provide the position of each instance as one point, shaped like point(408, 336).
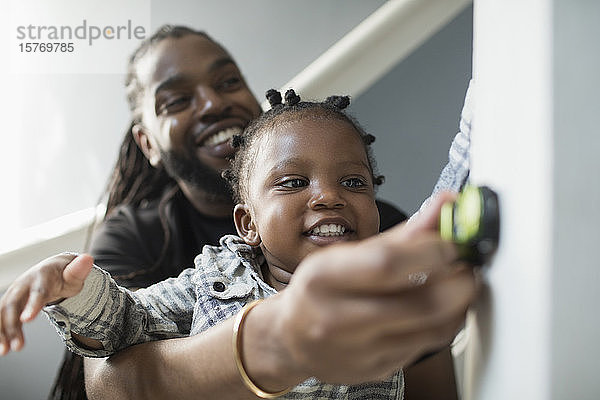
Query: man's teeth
point(223, 136)
point(328, 230)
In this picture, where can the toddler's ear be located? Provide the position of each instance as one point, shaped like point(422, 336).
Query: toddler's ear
point(245, 226)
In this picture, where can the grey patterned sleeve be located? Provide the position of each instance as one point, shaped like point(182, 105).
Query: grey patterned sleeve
point(119, 318)
point(456, 171)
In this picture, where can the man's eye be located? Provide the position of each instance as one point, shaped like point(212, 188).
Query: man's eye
point(353, 183)
point(231, 83)
point(175, 105)
point(294, 183)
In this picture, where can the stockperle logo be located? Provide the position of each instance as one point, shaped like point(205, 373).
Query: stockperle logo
point(86, 31)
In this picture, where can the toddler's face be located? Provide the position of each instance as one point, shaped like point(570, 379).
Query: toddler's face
point(311, 187)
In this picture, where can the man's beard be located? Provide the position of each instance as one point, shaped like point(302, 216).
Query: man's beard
point(195, 173)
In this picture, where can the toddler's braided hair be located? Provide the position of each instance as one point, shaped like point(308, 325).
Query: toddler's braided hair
point(292, 110)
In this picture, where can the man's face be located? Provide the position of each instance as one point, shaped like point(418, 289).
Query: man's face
point(311, 186)
point(194, 100)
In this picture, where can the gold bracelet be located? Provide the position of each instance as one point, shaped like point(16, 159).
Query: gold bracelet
point(237, 354)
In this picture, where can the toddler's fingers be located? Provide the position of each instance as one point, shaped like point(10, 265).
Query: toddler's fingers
point(10, 324)
point(37, 300)
point(3, 346)
point(75, 273)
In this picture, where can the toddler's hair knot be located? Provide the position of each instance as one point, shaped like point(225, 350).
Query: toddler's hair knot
point(340, 102)
point(291, 98)
point(274, 97)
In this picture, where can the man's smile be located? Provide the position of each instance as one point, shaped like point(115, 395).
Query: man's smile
point(222, 136)
point(215, 139)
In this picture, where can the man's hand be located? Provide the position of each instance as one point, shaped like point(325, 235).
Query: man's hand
point(358, 312)
point(50, 281)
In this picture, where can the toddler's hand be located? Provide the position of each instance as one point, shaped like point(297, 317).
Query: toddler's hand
point(50, 281)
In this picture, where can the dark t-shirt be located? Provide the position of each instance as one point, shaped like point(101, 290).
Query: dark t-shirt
point(130, 242)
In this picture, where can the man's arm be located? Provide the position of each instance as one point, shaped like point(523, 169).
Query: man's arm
point(432, 378)
point(196, 367)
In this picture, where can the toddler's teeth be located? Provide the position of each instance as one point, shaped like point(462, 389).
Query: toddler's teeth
point(328, 230)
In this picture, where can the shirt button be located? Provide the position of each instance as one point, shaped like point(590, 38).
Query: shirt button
point(219, 286)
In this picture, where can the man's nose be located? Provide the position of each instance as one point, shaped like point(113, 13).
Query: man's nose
point(211, 103)
point(327, 196)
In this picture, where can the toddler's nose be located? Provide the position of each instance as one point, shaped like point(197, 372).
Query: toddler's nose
point(327, 197)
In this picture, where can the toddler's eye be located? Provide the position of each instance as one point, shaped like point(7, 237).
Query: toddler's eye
point(294, 183)
point(353, 183)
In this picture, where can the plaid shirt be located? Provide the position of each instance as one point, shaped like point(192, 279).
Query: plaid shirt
point(226, 278)
point(456, 172)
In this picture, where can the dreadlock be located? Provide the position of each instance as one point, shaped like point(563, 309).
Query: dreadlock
point(281, 113)
point(133, 178)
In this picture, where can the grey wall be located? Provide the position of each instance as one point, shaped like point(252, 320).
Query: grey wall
point(272, 40)
point(413, 111)
point(29, 374)
point(575, 326)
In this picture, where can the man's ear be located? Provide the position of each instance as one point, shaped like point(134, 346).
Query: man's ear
point(146, 143)
point(245, 226)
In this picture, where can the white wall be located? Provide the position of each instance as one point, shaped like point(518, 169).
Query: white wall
point(512, 141)
point(535, 329)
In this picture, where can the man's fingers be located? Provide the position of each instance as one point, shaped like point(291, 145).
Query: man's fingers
point(380, 266)
point(75, 273)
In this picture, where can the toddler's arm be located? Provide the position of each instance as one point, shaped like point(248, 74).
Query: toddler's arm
point(50, 281)
point(99, 317)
